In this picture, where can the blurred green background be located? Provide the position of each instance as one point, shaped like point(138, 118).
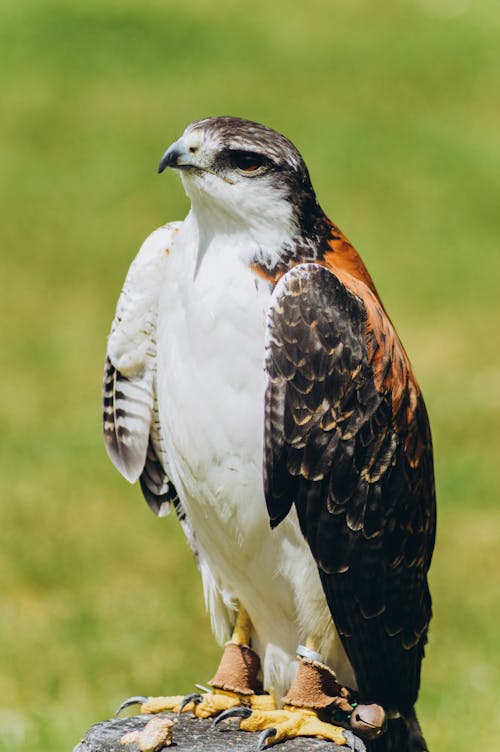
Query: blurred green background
point(395, 107)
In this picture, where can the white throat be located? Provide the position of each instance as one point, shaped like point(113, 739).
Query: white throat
point(255, 230)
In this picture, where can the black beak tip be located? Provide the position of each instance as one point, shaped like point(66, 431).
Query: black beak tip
point(169, 159)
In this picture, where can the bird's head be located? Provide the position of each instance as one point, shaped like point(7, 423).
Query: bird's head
point(246, 176)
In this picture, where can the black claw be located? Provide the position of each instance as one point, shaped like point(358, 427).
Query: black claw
point(266, 734)
point(137, 700)
point(193, 697)
point(240, 711)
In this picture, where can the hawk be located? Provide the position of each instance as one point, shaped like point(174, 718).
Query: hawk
point(255, 382)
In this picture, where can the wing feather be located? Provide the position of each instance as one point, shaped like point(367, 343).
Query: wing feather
point(127, 405)
point(131, 424)
point(349, 445)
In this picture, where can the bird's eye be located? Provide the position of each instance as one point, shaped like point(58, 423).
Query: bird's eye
point(248, 161)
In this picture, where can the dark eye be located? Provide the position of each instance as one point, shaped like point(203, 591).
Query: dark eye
point(247, 161)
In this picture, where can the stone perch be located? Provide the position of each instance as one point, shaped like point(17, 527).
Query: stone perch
point(189, 734)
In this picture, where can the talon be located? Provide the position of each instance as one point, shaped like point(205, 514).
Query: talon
point(266, 734)
point(194, 697)
point(240, 711)
point(137, 700)
point(354, 742)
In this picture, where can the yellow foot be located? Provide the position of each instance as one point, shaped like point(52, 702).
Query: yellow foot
point(289, 723)
point(204, 705)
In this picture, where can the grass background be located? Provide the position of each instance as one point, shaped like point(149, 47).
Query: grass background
point(395, 107)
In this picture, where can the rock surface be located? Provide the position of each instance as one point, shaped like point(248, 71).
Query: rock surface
point(190, 735)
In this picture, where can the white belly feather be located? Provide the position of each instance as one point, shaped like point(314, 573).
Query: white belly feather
point(211, 398)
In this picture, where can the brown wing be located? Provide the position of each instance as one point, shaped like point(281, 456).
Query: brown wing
point(352, 450)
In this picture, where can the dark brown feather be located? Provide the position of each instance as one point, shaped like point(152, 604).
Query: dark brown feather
point(347, 441)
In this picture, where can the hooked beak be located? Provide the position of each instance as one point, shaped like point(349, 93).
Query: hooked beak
point(183, 155)
point(178, 157)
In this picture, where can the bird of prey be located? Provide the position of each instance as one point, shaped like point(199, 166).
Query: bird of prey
point(255, 382)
